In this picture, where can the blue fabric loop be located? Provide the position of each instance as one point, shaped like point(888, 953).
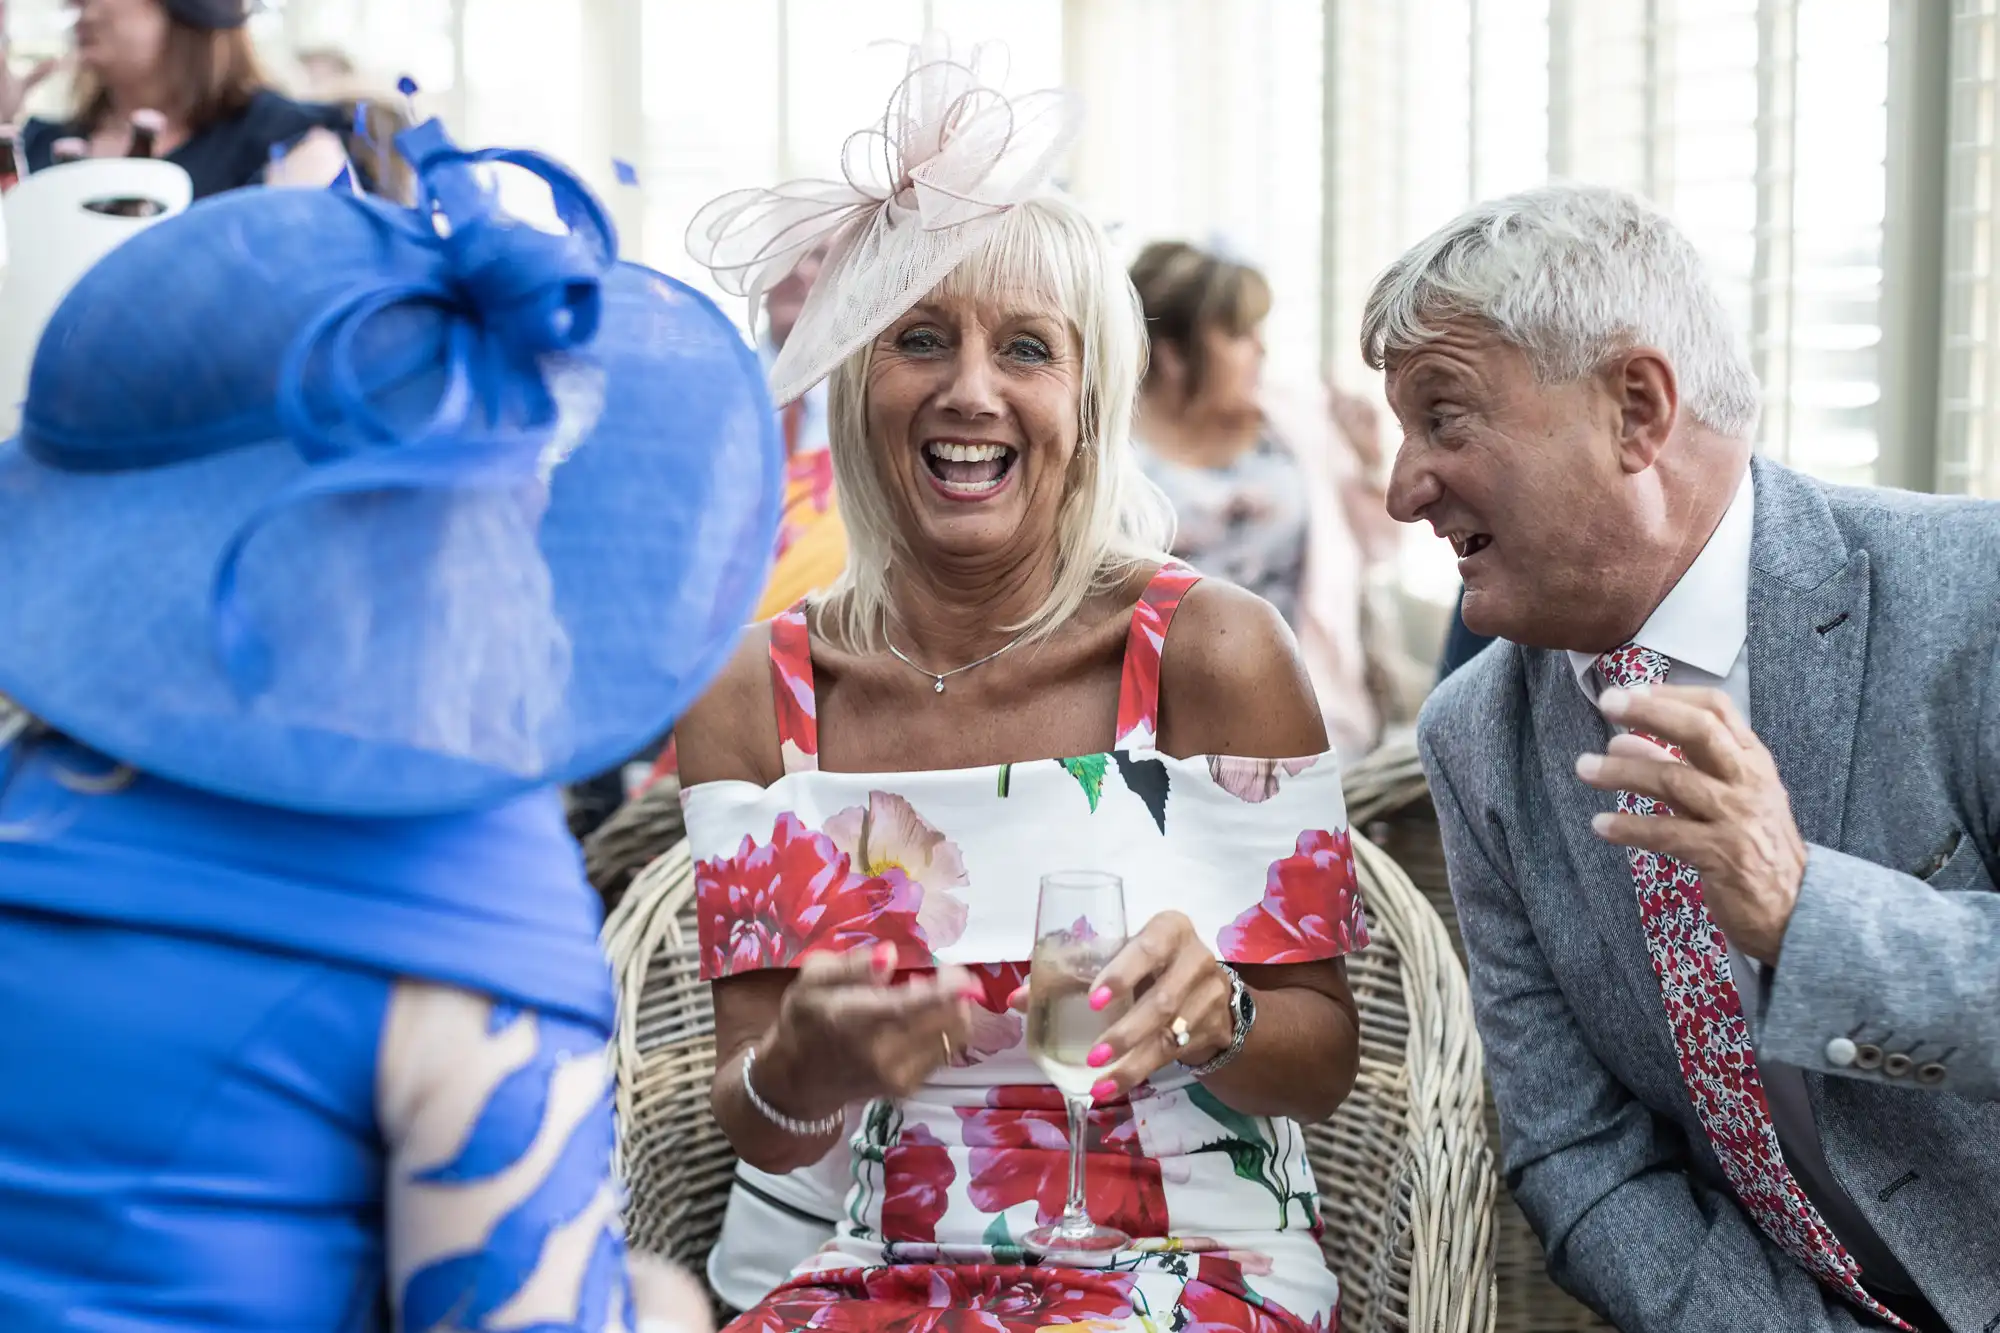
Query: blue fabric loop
point(509, 294)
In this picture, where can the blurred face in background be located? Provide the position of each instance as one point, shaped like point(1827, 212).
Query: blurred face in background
point(788, 295)
point(1205, 320)
point(120, 41)
point(1232, 373)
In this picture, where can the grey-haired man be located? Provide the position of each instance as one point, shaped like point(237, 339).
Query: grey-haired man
point(1721, 816)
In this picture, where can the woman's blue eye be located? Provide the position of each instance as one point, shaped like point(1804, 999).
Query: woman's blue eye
point(920, 340)
point(1030, 349)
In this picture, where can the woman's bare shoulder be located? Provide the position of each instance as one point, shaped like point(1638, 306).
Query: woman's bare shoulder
point(1232, 681)
point(731, 732)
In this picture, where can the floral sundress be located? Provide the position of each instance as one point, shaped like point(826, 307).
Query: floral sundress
point(945, 864)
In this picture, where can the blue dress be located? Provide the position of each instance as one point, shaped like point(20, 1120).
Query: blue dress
point(202, 1124)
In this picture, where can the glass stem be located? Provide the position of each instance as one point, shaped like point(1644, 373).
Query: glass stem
point(1076, 1216)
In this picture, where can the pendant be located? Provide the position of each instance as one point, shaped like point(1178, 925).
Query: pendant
point(938, 687)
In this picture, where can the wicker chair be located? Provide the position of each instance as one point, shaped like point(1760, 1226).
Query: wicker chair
point(1389, 801)
point(1404, 1172)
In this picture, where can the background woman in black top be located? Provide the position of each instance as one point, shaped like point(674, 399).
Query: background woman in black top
point(191, 61)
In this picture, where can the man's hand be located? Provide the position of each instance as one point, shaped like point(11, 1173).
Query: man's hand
point(1732, 819)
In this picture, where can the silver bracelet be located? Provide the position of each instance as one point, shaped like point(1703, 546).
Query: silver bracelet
point(805, 1129)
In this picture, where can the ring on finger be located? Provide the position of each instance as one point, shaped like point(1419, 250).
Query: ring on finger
point(1181, 1033)
point(945, 1037)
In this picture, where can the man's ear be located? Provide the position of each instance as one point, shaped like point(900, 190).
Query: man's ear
point(1646, 397)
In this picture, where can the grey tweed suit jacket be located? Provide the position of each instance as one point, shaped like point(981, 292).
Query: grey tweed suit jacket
point(1875, 682)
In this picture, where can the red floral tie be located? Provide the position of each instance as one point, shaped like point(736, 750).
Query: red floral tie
point(1718, 1062)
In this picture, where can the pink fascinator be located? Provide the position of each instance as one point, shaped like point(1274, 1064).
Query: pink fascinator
point(921, 189)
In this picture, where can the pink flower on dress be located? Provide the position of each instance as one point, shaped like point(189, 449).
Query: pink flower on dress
point(770, 905)
point(889, 835)
point(916, 1181)
point(1254, 780)
point(1311, 909)
point(1020, 1152)
point(1217, 1300)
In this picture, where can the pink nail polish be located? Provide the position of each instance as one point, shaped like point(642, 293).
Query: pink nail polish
point(1104, 1090)
point(972, 993)
point(1099, 1056)
point(1100, 997)
point(884, 957)
point(1017, 997)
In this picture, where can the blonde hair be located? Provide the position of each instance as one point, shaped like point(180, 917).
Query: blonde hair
point(1112, 518)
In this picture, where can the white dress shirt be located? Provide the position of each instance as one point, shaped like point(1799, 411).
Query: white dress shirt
point(1702, 627)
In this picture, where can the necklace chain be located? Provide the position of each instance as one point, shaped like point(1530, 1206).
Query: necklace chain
point(938, 678)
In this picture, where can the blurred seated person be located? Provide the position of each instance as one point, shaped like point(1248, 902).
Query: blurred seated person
point(192, 63)
point(812, 543)
point(874, 749)
point(1272, 489)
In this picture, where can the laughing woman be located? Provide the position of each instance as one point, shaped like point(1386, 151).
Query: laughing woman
point(1011, 679)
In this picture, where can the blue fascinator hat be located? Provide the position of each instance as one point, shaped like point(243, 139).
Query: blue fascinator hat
point(331, 505)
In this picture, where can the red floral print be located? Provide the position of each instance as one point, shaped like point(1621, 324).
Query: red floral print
point(1311, 908)
point(926, 1298)
point(1218, 1300)
point(1020, 1151)
point(770, 905)
point(792, 687)
point(916, 1183)
point(1718, 1059)
point(1139, 689)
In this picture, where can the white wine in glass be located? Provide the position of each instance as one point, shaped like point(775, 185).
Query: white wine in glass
point(1079, 927)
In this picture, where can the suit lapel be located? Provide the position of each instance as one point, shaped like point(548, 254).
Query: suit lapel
point(1808, 647)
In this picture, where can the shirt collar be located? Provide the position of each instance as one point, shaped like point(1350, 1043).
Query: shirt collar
point(1704, 621)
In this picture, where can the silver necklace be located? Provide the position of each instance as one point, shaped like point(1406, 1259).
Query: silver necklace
point(938, 678)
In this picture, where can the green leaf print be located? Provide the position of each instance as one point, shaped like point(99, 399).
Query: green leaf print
point(1088, 770)
point(997, 1235)
point(1252, 1153)
point(1247, 1157)
point(1231, 1119)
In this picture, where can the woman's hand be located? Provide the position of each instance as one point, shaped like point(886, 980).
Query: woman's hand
point(1166, 972)
point(845, 1034)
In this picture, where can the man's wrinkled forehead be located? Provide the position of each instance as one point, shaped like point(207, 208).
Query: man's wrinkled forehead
point(1454, 349)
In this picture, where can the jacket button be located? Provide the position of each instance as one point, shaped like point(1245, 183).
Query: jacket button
point(1840, 1052)
point(1930, 1075)
point(1868, 1056)
point(1897, 1065)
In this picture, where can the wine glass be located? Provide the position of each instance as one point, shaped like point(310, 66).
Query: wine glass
point(1079, 927)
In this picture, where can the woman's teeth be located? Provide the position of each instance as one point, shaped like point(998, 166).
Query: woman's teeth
point(968, 469)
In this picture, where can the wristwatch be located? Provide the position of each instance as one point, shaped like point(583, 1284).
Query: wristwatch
point(1242, 1008)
